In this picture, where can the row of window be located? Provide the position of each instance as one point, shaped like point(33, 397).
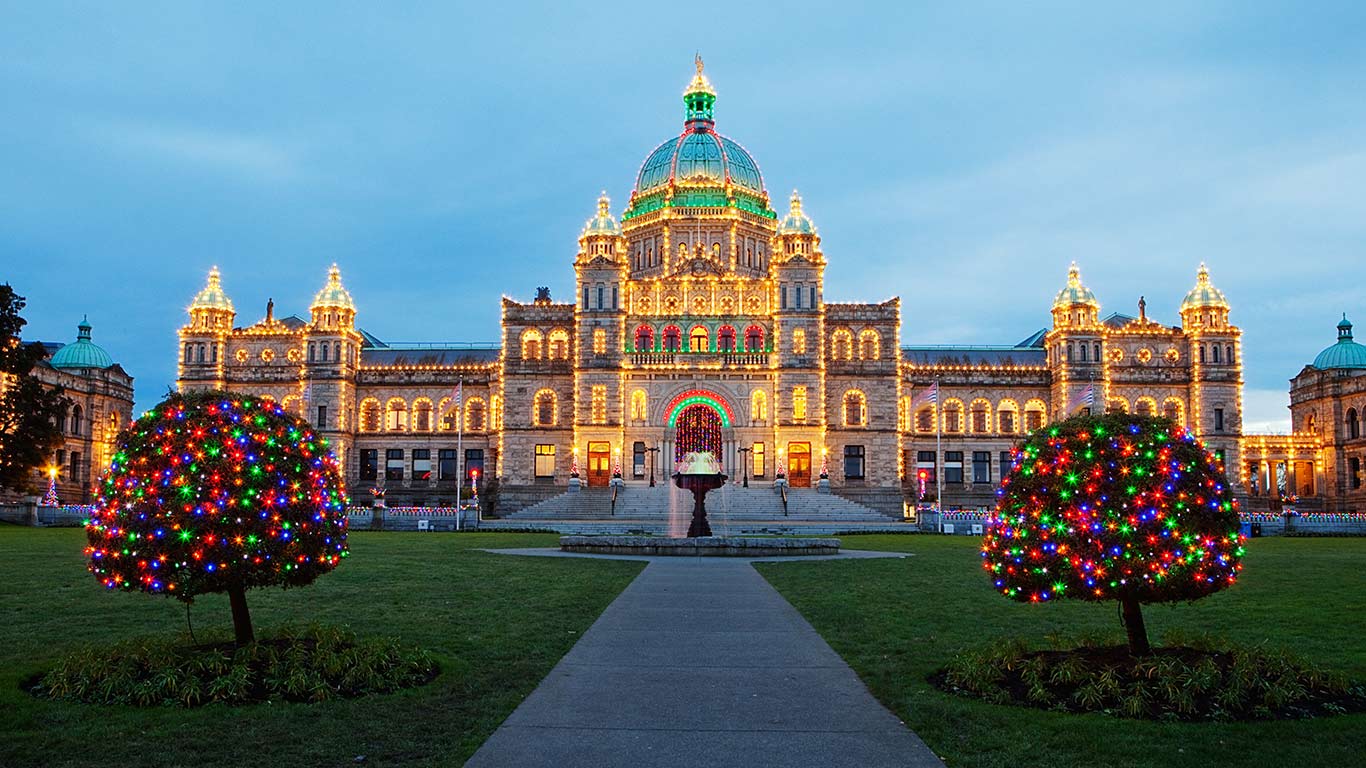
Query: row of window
point(699, 339)
point(1085, 352)
point(797, 293)
point(424, 416)
point(976, 418)
point(418, 465)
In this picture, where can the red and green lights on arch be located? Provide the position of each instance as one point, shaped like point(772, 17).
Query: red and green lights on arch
point(1103, 508)
point(698, 416)
point(213, 490)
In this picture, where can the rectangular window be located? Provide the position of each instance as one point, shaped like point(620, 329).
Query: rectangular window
point(422, 464)
point(545, 461)
point(600, 292)
point(599, 341)
point(369, 464)
point(758, 460)
point(445, 464)
point(638, 460)
point(953, 467)
point(321, 423)
point(1218, 419)
point(1354, 471)
point(799, 403)
point(812, 303)
point(1005, 463)
point(782, 297)
point(797, 296)
point(213, 353)
point(925, 463)
point(599, 404)
point(324, 351)
point(75, 473)
point(474, 463)
point(585, 297)
point(393, 464)
point(853, 462)
point(981, 466)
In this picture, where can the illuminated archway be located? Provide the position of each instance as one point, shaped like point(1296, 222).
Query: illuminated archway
point(698, 397)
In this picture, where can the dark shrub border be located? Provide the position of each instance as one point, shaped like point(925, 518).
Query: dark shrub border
point(311, 664)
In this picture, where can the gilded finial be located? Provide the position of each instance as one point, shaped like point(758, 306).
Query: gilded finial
point(697, 61)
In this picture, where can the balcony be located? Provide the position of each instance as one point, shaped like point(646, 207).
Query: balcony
point(701, 359)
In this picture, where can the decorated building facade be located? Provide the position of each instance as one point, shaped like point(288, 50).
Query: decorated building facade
point(699, 322)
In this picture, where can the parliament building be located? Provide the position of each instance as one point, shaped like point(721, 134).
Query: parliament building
point(699, 321)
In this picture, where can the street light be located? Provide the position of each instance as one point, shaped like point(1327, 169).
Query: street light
point(744, 463)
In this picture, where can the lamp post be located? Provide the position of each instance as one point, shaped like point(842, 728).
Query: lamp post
point(744, 464)
point(652, 452)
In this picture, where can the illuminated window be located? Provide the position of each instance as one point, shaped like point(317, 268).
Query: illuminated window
point(543, 414)
point(841, 344)
point(496, 406)
point(953, 416)
point(639, 404)
point(981, 417)
point(754, 339)
point(855, 409)
point(758, 457)
point(1145, 406)
point(725, 339)
point(1036, 415)
point(758, 405)
point(869, 345)
point(599, 404)
point(924, 419)
point(798, 341)
point(422, 415)
point(798, 403)
point(1007, 417)
point(531, 344)
point(545, 461)
point(698, 340)
point(853, 462)
point(396, 415)
point(645, 339)
point(559, 344)
point(369, 415)
point(673, 338)
point(476, 415)
point(599, 341)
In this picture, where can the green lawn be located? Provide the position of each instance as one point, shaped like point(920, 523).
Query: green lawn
point(895, 621)
point(496, 623)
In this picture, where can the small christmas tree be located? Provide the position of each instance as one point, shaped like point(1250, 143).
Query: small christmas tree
point(218, 492)
point(1114, 507)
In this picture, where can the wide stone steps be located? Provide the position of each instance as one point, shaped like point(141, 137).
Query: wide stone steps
point(663, 505)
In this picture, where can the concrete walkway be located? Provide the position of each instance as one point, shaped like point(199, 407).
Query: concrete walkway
point(699, 662)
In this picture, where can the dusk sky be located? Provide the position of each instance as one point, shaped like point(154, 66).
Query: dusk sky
point(957, 155)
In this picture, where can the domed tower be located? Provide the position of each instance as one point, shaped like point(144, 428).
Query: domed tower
point(203, 338)
point(83, 353)
point(1216, 369)
point(599, 318)
point(798, 269)
point(332, 352)
point(699, 203)
point(1075, 355)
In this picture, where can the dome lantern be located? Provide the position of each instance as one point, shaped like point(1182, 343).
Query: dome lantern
point(1204, 295)
point(212, 297)
point(604, 224)
point(796, 222)
point(1075, 293)
point(333, 295)
point(700, 98)
point(83, 353)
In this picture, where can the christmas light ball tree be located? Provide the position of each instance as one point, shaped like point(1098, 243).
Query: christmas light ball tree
point(1116, 507)
point(218, 492)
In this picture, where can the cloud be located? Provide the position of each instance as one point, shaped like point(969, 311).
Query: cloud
point(1266, 411)
point(240, 155)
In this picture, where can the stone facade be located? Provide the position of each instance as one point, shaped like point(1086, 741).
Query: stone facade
point(699, 319)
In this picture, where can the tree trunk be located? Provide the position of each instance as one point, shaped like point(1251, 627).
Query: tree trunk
point(1133, 625)
point(241, 617)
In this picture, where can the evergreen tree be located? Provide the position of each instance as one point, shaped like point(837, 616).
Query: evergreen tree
point(1114, 507)
point(29, 410)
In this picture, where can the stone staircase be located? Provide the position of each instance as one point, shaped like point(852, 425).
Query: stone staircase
point(665, 510)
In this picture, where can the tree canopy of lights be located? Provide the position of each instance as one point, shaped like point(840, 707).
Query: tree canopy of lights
point(1114, 507)
point(218, 492)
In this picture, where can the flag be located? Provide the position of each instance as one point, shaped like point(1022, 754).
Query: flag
point(459, 394)
point(1084, 399)
point(308, 392)
point(928, 395)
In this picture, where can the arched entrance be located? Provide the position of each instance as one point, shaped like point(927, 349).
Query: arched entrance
point(698, 428)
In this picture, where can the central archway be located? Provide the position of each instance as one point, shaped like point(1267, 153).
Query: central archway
point(698, 429)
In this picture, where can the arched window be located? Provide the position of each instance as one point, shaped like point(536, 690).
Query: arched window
point(953, 416)
point(1036, 415)
point(673, 338)
point(396, 415)
point(869, 345)
point(1228, 354)
point(1083, 352)
point(422, 415)
point(293, 404)
point(841, 344)
point(698, 340)
point(1311, 424)
point(855, 409)
point(447, 413)
point(903, 413)
point(725, 339)
point(980, 417)
point(798, 341)
point(61, 421)
point(559, 344)
point(476, 416)
point(754, 339)
point(1202, 353)
point(639, 405)
point(645, 339)
point(1117, 405)
point(1007, 417)
point(1174, 409)
point(1215, 349)
point(758, 406)
point(369, 415)
point(1145, 406)
point(76, 420)
point(1353, 426)
point(543, 414)
point(924, 419)
point(531, 344)
point(496, 411)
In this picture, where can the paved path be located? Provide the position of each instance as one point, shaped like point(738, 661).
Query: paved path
point(699, 662)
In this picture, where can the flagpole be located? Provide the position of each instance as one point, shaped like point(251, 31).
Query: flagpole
point(938, 454)
point(459, 446)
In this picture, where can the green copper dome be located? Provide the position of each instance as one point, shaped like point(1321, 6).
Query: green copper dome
point(333, 295)
point(603, 224)
point(82, 353)
point(699, 167)
point(1344, 355)
point(796, 222)
point(1204, 294)
point(1075, 293)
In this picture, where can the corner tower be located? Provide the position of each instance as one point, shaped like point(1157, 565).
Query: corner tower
point(1216, 370)
point(331, 357)
point(203, 338)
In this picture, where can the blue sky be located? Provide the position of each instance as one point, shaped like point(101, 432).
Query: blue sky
point(958, 155)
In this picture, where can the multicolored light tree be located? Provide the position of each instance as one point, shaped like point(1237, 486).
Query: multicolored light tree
point(1114, 507)
point(218, 492)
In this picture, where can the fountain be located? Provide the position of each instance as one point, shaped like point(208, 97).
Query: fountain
point(699, 472)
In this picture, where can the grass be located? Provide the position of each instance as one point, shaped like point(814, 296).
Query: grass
point(896, 621)
point(496, 624)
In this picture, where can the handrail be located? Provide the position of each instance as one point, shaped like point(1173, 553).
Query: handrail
point(613, 511)
point(782, 492)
